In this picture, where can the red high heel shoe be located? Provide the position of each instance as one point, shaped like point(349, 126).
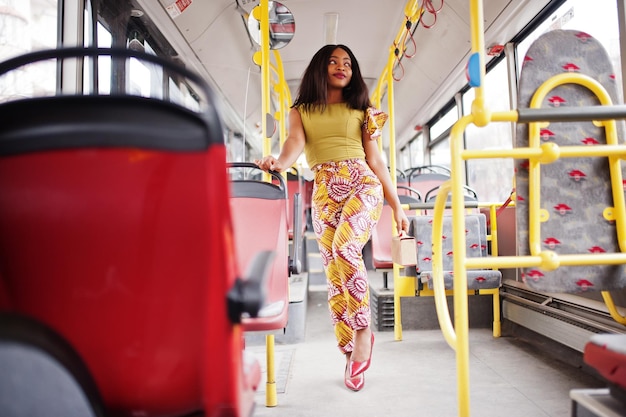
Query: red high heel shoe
point(353, 383)
point(357, 368)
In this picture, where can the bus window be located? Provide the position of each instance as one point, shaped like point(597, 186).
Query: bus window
point(440, 153)
point(439, 133)
point(122, 24)
point(489, 177)
point(417, 152)
point(26, 26)
point(444, 123)
point(412, 155)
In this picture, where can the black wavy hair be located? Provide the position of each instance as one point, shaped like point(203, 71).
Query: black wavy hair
point(312, 92)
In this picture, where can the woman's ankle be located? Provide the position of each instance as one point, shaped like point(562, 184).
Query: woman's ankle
point(362, 343)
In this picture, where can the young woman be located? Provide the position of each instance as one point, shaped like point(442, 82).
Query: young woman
point(327, 122)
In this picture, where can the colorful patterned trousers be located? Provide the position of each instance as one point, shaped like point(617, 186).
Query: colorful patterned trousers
point(346, 205)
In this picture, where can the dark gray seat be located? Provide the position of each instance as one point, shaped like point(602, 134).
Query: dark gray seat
point(476, 246)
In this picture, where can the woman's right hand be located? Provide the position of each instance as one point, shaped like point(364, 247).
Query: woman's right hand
point(269, 163)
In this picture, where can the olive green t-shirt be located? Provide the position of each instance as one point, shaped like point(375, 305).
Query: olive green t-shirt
point(333, 134)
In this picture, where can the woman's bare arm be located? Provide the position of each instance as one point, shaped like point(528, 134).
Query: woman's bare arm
point(292, 148)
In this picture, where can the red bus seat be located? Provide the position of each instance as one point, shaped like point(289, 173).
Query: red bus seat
point(297, 213)
point(383, 232)
point(606, 353)
point(426, 169)
point(260, 220)
point(260, 223)
point(428, 181)
point(381, 240)
point(295, 185)
point(117, 251)
point(469, 194)
point(425, 178)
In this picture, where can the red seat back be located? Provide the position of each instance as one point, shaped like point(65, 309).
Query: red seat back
point(116, 237)
point(383, 232)
point(381, 240)
point(295, 185)
point(260, 220)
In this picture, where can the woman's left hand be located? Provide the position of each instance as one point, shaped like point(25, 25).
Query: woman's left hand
point(402, 222)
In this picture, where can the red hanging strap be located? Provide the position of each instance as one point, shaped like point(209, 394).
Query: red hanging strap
point(503, 206)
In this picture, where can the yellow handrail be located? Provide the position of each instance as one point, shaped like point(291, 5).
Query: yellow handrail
point(553, 152)
point(461, 321)
point(281, 88)
point(284, 96)
point(608, 300)
point(480, 116)
point(537, 154)
point(412, 11)
point(443, 314)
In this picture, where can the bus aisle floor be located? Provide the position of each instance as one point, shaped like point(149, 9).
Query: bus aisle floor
point(415, 376)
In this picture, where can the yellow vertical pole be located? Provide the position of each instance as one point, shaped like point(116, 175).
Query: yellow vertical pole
point(493, 220)
point(397, 322)
point(412, 12)
point(271, 397)
point(281, 85)
point(265, 72)
point(262, 13)
point(480, 117)
point(392, 128)
point(497, 325)
point(461, 321)
point(479, 111)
